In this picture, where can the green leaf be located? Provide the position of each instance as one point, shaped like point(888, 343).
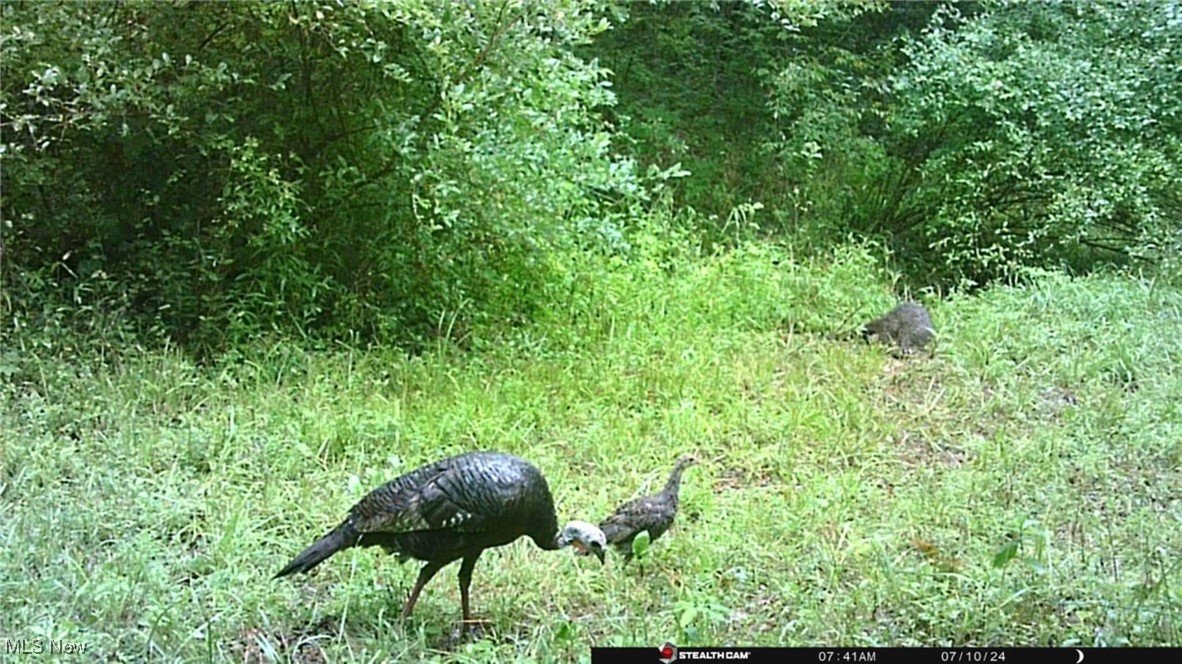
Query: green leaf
point(641, 543)
point(1005, 554)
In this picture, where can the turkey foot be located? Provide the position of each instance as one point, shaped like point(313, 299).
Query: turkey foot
point(473, 630)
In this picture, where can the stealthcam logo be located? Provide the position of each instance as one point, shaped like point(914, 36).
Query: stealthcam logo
point(668, 653)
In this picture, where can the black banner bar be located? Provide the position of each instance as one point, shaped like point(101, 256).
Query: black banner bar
point(669, 653)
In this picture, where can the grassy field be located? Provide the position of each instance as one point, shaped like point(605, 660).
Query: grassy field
point(1022, 487)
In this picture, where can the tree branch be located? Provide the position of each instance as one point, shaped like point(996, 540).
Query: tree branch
point(1097, 245)
point(392, 164)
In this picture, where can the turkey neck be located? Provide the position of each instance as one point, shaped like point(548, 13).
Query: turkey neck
point(673, 486)
point(545, 533)
point(548, 542)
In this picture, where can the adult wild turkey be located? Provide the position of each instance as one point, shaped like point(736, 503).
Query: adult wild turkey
point(450, 510)
point(652, 513)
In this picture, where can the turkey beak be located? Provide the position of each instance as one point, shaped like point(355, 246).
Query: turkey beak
point(598, 551)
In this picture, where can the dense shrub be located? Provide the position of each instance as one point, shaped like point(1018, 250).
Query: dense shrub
point(353, 169)
point(1005, 136)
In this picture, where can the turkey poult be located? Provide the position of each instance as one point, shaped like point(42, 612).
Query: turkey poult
point(652, 513)
point(450, 510)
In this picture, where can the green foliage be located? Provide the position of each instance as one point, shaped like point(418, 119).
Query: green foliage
point(829, 102)
point(1052, 406)
point(1005, 554)
point(346, 169)
point(641, 543)
point(970, 139)
point(669, 283)
point(1050, 135)
point(267, 177)
point(691, 77)
point(392, 173)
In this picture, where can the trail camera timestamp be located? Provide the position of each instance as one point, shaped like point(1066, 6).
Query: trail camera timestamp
point(846, 656)
point(972, 656)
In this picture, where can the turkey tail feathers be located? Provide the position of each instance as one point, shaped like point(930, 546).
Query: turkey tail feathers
point(342, 537)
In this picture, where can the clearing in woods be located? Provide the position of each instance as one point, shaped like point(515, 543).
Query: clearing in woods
point(1022, 487)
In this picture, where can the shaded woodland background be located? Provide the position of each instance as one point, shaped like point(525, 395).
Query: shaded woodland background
point(209, 173)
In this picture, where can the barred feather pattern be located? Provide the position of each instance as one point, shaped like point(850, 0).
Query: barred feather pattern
point(447, 510)
point(654, 513)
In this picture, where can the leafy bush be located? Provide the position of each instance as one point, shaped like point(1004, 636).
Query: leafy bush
point(1049, 134)
point(972, 140)
point(693, 79)
point(352, 169)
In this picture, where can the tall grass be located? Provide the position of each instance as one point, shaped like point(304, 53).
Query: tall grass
point(1021, 487)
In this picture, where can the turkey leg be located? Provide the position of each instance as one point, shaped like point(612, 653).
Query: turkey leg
point(466, 569)
point(429, 570)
